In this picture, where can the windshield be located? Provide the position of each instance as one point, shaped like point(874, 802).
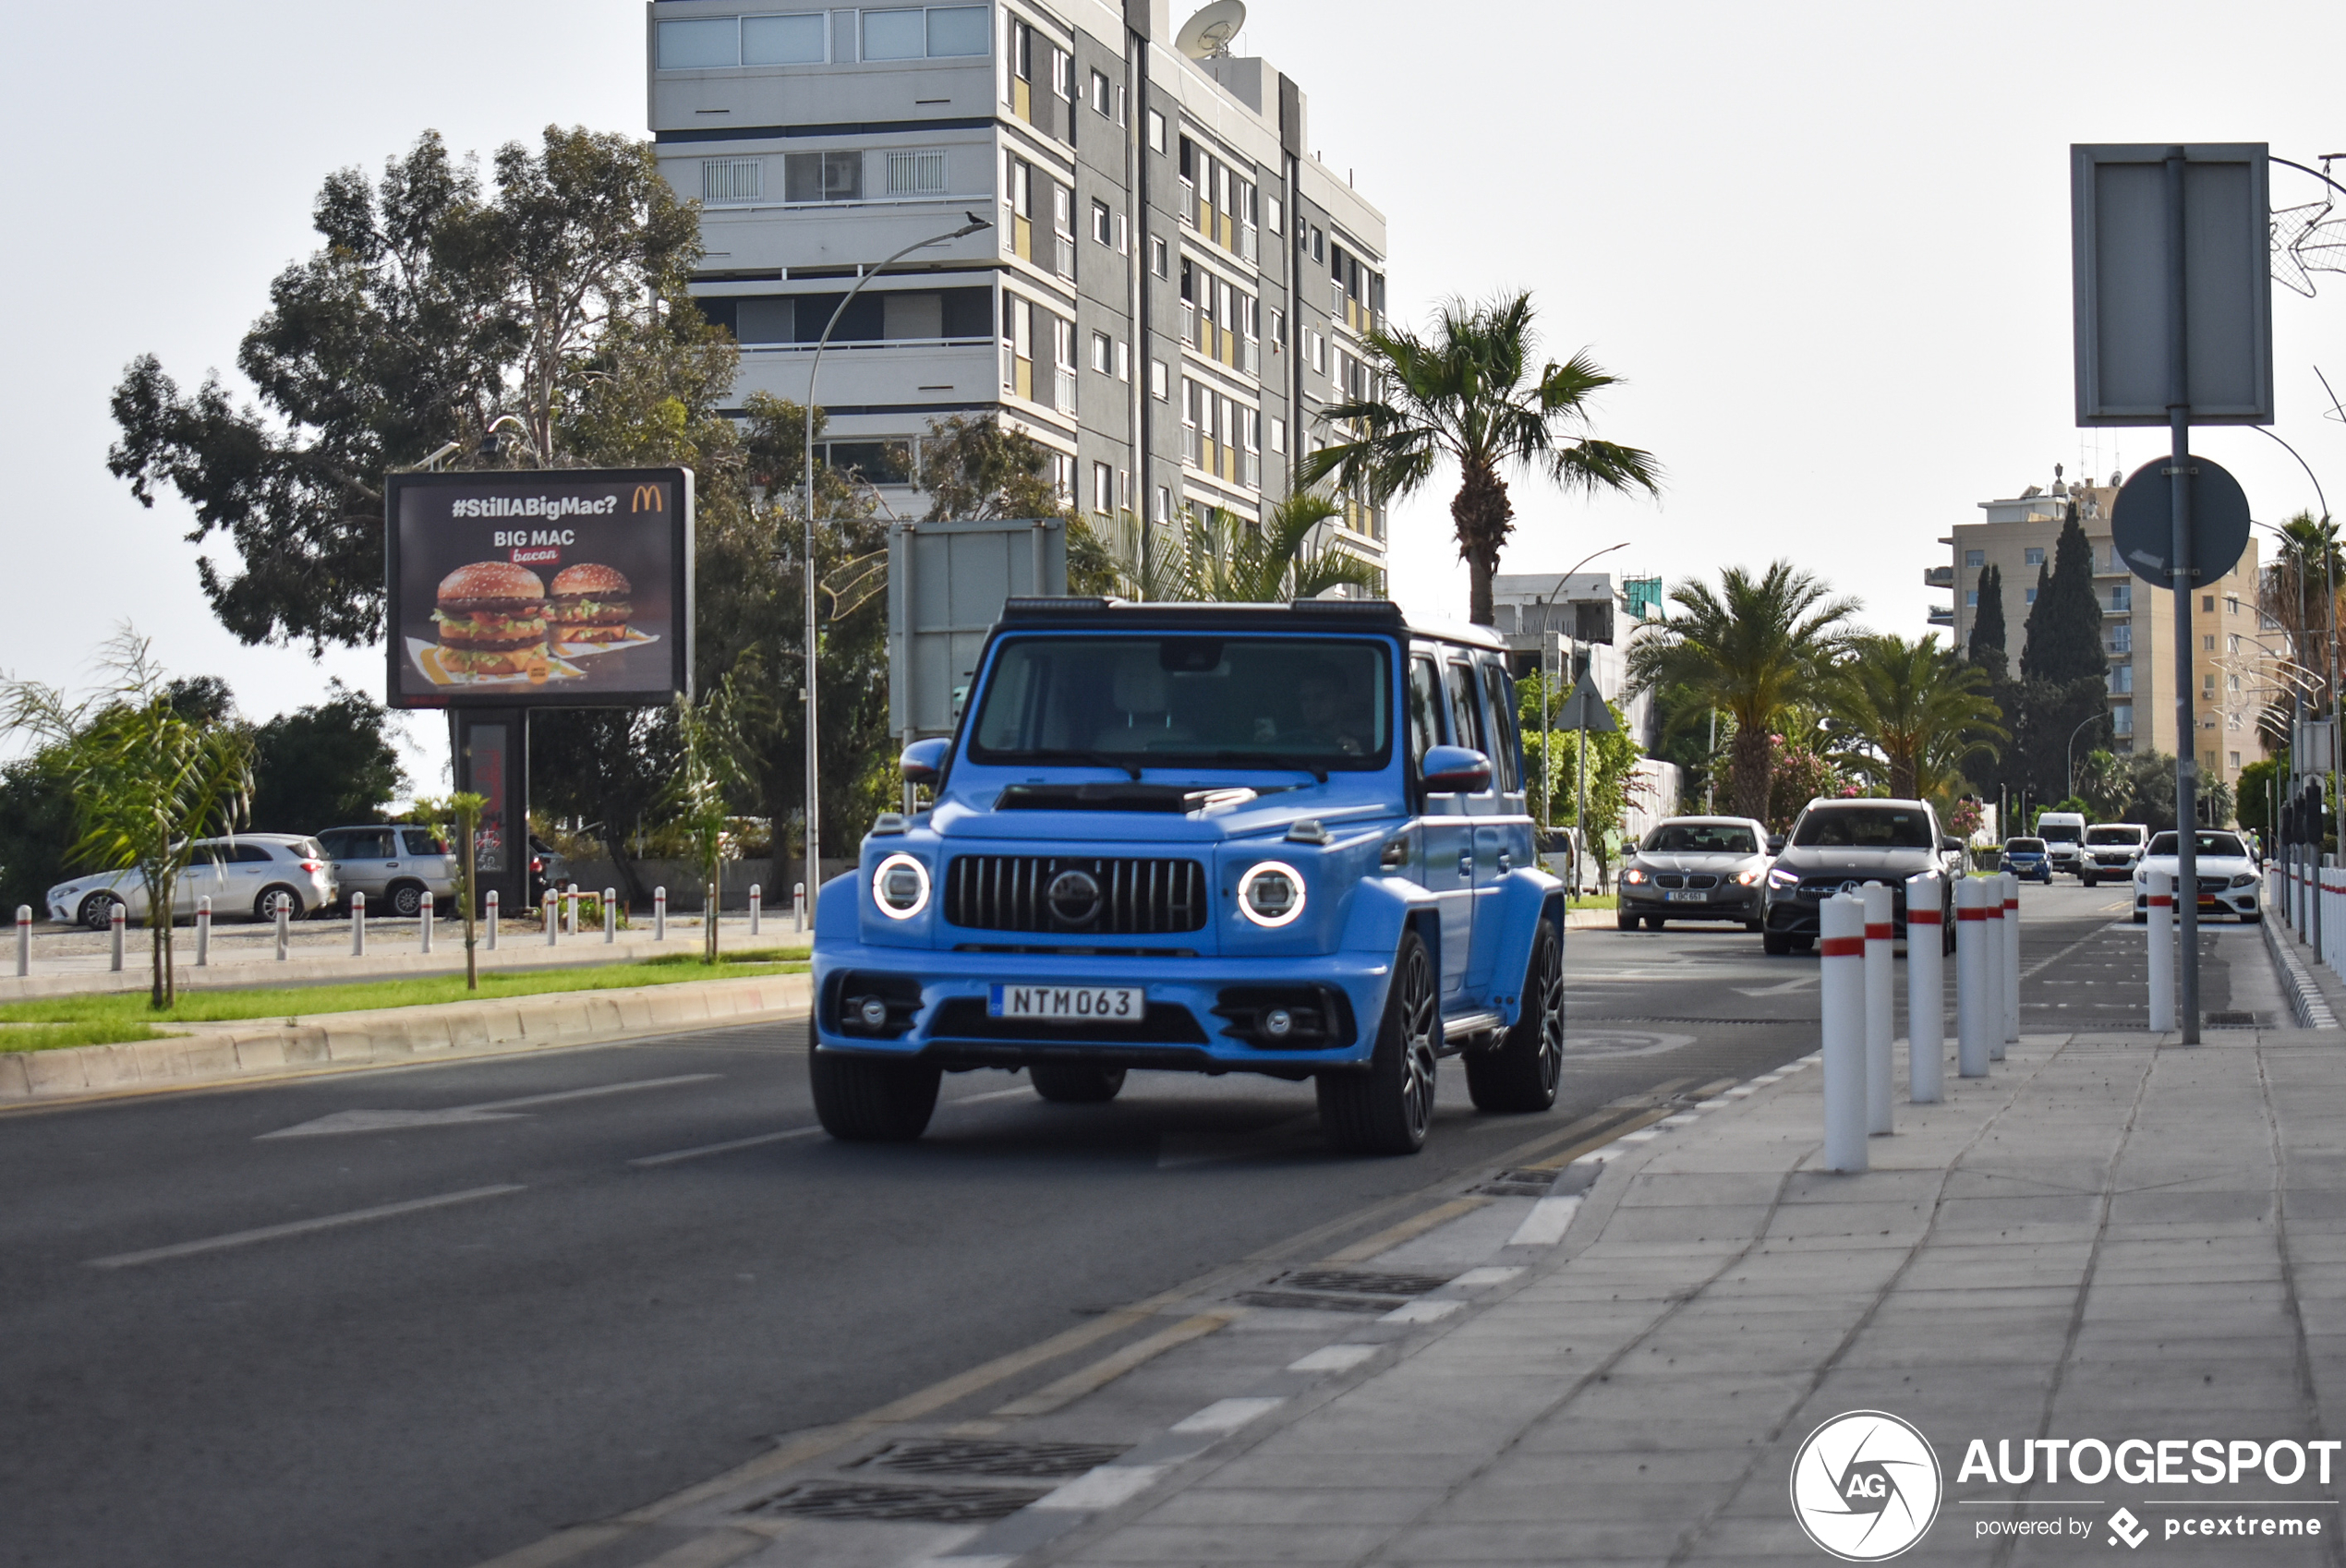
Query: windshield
point(1313, 702)
point(1865, 828)
point(2025, 847)
point(2113, 835)
point(2059, 832)
point(2205, 843)
point(1701, 838)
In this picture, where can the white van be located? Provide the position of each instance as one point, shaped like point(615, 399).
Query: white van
point(2112, 851)
point(2064, 836)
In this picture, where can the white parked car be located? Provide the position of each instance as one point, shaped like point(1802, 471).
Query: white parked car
point(242, 875)
point(2112, 850)
point(2227, 876)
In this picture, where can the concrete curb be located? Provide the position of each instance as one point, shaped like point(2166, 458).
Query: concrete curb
point(2306, 1002)
point(396, 1036)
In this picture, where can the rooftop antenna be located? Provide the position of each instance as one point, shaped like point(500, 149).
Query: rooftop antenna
point(1207, 35)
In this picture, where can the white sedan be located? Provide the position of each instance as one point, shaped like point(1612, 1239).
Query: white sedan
point(240, 875)
point(2227, 876)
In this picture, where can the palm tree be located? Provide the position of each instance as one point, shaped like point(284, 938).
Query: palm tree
point(1753, 648)
point(1467, 394)
point(1920, 712)
point(1223, 558)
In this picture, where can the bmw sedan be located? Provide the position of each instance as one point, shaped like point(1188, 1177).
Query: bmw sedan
point(1696, 868)
point(2227, 876)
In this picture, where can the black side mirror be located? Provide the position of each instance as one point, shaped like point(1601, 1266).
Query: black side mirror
point(1775, 843)
point(1949, 844)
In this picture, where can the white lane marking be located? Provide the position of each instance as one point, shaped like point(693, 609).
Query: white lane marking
point(460, 1115)
point(651, 1162)
point(1333, 1358)
point(1489, 1274)
point(1421, 1312)
point(1684, 1118)
point(301, 1228)
point(1545, 1225)
point(1228, 1415)
point(1800, 984)
point(1103, 1487)
point(1643, 1135)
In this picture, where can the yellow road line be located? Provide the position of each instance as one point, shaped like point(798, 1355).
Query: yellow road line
point(1108, 1368)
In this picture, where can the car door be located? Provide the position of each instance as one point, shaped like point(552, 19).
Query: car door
point(364, 860)
point(1446, 834)
point(1502, 826)
point(424, 860)
point(204, 877)
point(1450, 836)
point(251, 869)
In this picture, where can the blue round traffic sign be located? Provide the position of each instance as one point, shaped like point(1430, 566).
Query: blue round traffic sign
point(2142, 525)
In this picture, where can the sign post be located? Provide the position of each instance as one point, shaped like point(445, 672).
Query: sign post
point(2173, 323)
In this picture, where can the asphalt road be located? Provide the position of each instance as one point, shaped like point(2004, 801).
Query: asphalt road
point(557, 1319)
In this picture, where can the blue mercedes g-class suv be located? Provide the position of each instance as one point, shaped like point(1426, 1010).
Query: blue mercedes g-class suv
point(1269, 839)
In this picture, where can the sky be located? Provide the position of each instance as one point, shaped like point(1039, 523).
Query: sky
point(1826, 245)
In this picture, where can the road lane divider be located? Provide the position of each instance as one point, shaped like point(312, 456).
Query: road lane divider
point(678, 1156)
point(302, 1227)
point(1107, 1369)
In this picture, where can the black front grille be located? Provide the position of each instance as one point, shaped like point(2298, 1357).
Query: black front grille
point(1669, 879)
point(1135, 898)
point(1702, 879)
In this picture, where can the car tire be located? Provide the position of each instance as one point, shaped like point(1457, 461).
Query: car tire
point(2141, 917)
point(97, 912)
point(1775, 946)
point(265, 906)
point(405, 900)
point(1388, 1109)
point(1076, 1083)
point(1655, 922)
point(1803, 944)
point(865, 1100)
point(1754, 926)
point(1521, 1074)
point(2089, 879)
point(1626, 922)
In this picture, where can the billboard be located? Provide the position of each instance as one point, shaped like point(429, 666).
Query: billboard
point(565, 587)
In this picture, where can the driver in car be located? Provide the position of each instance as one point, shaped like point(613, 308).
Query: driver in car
point(1327, 708)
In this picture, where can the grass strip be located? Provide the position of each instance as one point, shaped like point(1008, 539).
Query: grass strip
point(121, 1010)
point(50, 1036)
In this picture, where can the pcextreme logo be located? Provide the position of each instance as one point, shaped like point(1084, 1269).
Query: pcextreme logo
point(1865, 1486)
point(647, 498)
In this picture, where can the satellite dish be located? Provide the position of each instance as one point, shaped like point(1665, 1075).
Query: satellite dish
point(1209, 32)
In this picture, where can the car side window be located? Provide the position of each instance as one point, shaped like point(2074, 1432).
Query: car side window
point(1466, 714)
point(1505, 755)
point(247, 853)
point(373, 845)
point(1425, 709)
point(419, 841)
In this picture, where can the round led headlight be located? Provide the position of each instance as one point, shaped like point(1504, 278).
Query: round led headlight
point(1271, 894)
point(901, 887)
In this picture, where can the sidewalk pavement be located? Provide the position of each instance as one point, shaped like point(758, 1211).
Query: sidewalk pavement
point(2109, 1237)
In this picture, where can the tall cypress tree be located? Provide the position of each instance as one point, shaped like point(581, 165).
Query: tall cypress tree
point(1987, 647)
point(2064, 625)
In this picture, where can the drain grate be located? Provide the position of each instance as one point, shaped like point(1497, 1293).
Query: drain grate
point(1296, 1300)
point(983, 1456)
point(873, 1500)
point(2230, 1021)
point(1518, 1184)
point(1361, 1283)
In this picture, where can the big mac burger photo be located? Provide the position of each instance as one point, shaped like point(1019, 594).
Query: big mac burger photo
point(492, 619)
point(590, 603)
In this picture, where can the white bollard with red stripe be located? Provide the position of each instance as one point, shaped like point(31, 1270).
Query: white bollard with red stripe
point(1841, 949)
point(424, 917)
point(1926, 987)
point(203, 932)
point(757, 899)
point(117, 921)
point(659, 914)
point(611, 915)
point(1975, 978)
point(1991, 1003)
point(24, 939)
point(358, 925)
point(491, 919)
point(2011, 960)
point(1881, 975)
point(2158, 893)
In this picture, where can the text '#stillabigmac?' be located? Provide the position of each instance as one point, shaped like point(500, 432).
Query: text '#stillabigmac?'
point(549, 507)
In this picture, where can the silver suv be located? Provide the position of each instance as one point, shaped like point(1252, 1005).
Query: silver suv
point(393, 865)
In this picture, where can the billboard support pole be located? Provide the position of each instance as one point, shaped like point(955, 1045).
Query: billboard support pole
point(2184, 558)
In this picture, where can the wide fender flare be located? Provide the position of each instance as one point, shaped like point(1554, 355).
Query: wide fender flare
point(1527, 898)
point(1383, 908)
point(836, 917)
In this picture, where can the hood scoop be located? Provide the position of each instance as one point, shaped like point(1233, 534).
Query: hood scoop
point(1178, 799)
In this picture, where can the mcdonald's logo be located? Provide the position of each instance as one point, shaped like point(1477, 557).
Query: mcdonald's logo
point(648, 498)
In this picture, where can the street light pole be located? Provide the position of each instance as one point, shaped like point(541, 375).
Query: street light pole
point(2072, 749)
point(813, 797)
point(1547, 752)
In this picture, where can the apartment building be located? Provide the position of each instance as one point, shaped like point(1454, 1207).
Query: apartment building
point(1172, 287)
point(2234, 665)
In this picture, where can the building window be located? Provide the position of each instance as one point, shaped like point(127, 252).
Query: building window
point(1156, 131)
point(915, 33)
point(1271, 213)
point(2122, 677)
point(1123, 361)
point(1157, 383)
point(2122, 718)
point(1100, 352)
point(2121, 597)
point(2030, 596)
point(1319, 244)
point(2207, 604)
point(1062, 473)
point(1123, 236)
point(1971, 601)
point(1278, 435)
point(1123, 489)
point(2231, 604)
point(823, 177)
point(1102, 101)
point(1100, 222)
point(1103, 488)
point(2207, 683)
point(2033, 556)
point(783, 40)
point(2232, 682)
point(916, 173)
point(2235, 765)
point(2208, 643)
point(732, 179)
point(2122, 639)
point(2233, 643)
point(1278, 330)
point(1315, 348)
point(1973, 558)
point(1161, 505)
point(1156, 255)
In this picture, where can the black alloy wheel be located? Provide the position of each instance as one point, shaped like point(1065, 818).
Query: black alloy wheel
point(1521, 1074)
point(870, 1100)
point(1389, 1108)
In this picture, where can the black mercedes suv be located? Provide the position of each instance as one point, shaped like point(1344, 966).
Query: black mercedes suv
point(1838, 846)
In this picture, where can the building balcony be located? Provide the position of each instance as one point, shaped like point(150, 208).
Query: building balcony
point(1938, 576)
point(1942, 615)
